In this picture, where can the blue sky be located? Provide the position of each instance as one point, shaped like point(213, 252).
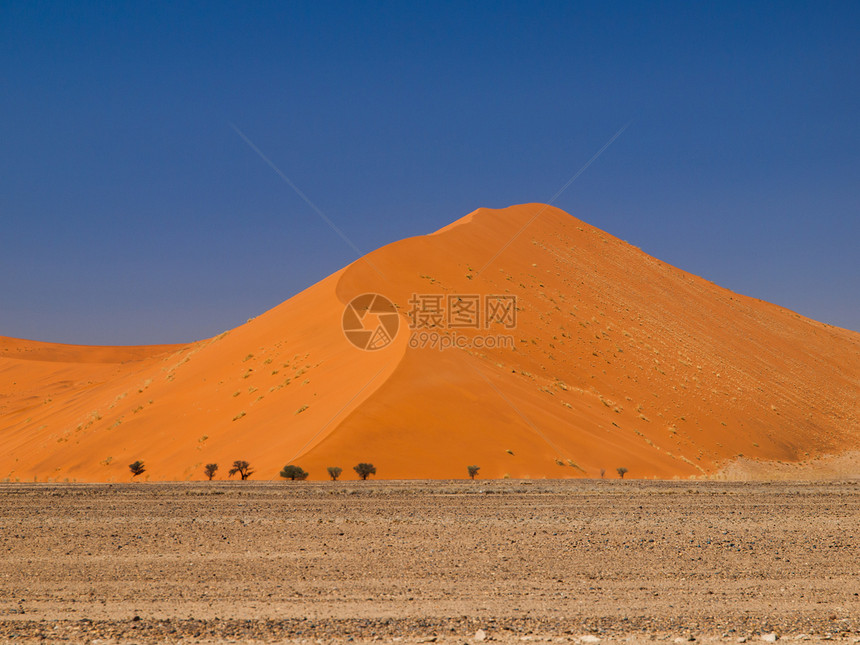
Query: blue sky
point(131, 211)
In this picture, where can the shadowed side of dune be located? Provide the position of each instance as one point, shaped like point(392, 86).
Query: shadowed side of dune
point(263, 393)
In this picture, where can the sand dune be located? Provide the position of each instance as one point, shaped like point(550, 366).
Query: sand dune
point(617, 359)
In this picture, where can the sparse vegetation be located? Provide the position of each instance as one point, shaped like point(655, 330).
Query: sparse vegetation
point(334, 472)
point(473, 470)
point(602, 473)
point(243, 468)
point(621, 471)
point(573, 464)
point(293, 473)
point(136, 468)
point(364, 470)
point(210, 470)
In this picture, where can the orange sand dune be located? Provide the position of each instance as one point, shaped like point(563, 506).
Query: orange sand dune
point(616, 359)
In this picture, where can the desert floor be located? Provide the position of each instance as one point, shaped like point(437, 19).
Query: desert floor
point(426, 561)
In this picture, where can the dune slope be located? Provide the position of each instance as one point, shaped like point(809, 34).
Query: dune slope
point(609, 358)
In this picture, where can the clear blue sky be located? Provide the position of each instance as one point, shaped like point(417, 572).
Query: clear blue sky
point(131, 212)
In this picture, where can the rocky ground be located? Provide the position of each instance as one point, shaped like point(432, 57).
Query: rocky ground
point(447, 562)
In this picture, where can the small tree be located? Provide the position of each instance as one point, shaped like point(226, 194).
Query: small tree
point(602, 473)
point(136, 468)
point(621, 472)
point(293, 473)
point(241, 467)
point(334, 472)
point(210, 470)
point(473, 470)
point(365, 470)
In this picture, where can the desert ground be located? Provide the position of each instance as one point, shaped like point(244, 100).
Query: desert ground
point(430, 561)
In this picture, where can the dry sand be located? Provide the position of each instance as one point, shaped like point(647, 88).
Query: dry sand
point(619, 360)
point(421, 560)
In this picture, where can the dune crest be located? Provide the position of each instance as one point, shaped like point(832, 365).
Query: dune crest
point(615, 359)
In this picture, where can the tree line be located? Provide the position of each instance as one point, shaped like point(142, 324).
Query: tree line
point(297, 473)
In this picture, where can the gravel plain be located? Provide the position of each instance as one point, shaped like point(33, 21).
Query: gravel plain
point(430, 561)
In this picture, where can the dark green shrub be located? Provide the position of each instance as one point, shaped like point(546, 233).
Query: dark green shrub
point(243, 468)
point(364, 470)
point(293, 472)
